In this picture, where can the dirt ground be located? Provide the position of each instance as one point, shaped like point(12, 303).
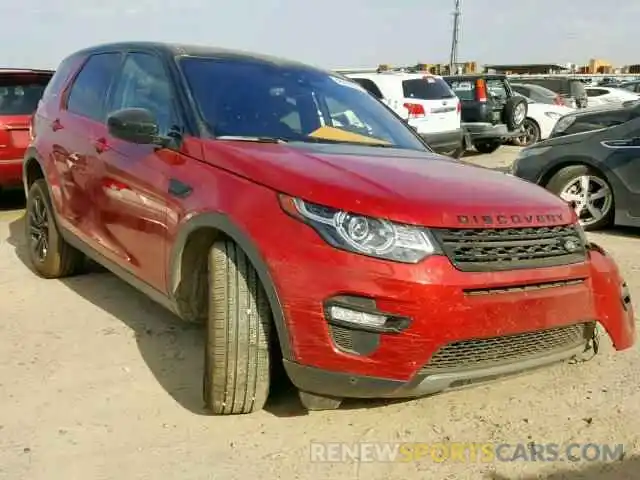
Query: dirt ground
point(97, 382)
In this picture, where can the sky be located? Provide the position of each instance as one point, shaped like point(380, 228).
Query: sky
point(331, 33)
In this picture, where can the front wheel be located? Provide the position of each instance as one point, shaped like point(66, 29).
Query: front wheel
point(237, 363)
point(588, 191)
point(487, 146)
point(530, 134)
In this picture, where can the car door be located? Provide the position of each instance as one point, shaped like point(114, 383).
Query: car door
point(623, 160)
point(134, 181)
point(73, 128)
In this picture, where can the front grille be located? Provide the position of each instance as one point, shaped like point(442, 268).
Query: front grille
point(488, 352)
point(494, 249)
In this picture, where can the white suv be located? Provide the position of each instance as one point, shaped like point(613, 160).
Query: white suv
point(425, 101)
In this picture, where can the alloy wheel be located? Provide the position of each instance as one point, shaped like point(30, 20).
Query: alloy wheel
point(591, 197)
point(38, 220)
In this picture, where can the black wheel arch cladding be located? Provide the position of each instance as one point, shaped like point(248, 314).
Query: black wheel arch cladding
point(221, 223)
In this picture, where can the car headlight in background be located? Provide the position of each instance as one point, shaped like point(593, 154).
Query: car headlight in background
point(553, 115)
point(374, 237)
point(562, 124)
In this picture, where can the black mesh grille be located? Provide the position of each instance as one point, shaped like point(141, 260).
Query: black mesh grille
point(491, 249)
point(483, 353)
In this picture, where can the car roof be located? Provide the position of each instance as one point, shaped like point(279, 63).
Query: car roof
point(191, 50)
point(22, 71)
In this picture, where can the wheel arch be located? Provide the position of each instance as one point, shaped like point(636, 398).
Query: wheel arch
point(187, 270)
point(32, 168)
point(548, 174)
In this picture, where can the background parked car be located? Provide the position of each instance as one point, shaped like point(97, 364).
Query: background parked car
point(20, 91)
point(592, 160)
point(571, 90)
point(539, 94)
point(491, 113)
point(632, 86)
point(540, 121)
point(425, 101)
point(600, 96)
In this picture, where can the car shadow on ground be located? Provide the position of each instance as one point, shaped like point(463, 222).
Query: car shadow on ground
point(623, 232)
point(171, 349)
point(11, 199)
point(626, 469)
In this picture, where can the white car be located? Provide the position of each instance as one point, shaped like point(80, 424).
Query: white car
point(608, 96)
point(540, 120)
point(425, 101)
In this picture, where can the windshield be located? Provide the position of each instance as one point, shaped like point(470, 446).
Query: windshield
point(241, 98)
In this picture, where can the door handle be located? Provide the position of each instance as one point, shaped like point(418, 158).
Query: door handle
point(101, 145)
point(56, 125)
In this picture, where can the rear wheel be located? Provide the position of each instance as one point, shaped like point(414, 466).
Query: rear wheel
point(237, 364)
point(50, 255)
point(487, 146)
point(588, 191)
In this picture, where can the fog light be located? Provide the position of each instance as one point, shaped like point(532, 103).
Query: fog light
point(357, 318)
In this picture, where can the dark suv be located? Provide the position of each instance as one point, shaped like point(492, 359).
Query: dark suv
point(305, 225)
point(491, 113)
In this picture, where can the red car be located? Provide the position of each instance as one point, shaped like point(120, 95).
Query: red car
point(302, 221)
point(20, 91)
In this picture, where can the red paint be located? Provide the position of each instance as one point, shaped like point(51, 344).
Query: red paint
point(116, 200)
point(14, 129)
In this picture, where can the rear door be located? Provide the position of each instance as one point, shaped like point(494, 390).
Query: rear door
point(431, 104)
point(20, 93)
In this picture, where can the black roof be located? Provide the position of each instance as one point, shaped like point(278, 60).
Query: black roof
point(179, 49)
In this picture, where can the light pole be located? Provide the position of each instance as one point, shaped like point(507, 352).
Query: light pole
point(453, 59)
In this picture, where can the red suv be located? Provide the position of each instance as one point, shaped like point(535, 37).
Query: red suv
point(20, 91)
point(302, 221)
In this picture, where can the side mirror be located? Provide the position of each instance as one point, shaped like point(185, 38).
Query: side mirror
point(135, 125)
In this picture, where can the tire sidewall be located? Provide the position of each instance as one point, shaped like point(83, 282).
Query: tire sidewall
point(39, 191)
point(510, 111)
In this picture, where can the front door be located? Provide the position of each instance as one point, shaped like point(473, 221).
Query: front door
point(134, 181)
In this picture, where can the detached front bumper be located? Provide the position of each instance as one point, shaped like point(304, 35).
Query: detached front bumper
point(464, 327)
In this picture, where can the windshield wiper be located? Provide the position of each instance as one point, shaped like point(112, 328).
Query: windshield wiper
point(243, 138)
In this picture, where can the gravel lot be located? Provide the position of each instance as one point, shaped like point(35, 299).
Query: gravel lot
point(97, 382)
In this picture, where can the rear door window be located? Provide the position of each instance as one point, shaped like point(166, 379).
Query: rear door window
point(428, 88)
point(20, 94)
point(497, 88)
point(91, 86)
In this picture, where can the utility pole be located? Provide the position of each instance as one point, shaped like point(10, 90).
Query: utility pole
point(453, 59)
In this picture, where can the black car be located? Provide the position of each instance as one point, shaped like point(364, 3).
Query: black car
point(592, 159)
point(492, 113)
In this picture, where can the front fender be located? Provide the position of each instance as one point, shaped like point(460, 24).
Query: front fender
point(223, 224)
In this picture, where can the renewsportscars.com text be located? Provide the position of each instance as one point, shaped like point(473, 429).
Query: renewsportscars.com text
point(464, 452)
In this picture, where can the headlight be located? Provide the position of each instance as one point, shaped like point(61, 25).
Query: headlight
point(564, 123)
point(553, 115)
point(531, 151)
point(375, 237)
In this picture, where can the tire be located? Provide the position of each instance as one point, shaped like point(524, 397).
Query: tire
point(50, 255)
point(567, 176)
point(532, 134)
point(487, 146)
point(515, 112)
point(238, 334)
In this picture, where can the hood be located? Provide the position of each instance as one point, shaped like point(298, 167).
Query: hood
point(406, 186)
